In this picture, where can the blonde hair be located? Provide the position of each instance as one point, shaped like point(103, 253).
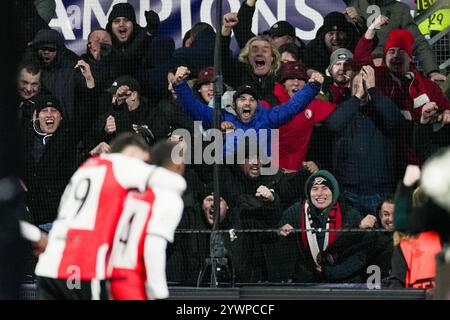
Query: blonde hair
point(276, 60)
point(419, 198)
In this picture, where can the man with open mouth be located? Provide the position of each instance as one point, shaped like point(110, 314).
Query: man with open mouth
point(293, 150)
point(250, 115)
point(400, 81)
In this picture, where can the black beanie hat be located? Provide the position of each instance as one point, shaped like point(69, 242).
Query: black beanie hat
point(122, 10)
point(335, 21)
point(44, 101)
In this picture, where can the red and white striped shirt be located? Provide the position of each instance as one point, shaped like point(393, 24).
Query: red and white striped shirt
point(80, 239)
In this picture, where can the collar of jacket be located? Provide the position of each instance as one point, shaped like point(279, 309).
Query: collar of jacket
point(43, 136)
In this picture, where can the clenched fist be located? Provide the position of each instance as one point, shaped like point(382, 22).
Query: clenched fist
point(181, 74)
point(429, 110)
point(226, 126)
point(317, 78)
point(264, 193)
point(368, 222)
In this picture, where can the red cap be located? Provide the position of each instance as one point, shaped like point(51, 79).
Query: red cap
point(293, 70)
point(206, 75)
point(400, 38)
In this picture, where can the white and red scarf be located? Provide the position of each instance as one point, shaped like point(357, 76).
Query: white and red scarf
point(309, 239)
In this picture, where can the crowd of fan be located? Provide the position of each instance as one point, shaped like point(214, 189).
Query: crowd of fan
point(353, 112)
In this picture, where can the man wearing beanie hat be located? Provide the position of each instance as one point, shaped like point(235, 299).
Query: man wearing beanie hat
point(400, 81)
point(57, 63)
point(129, 111)
point(132, 44)
point(50, 154)
point(250, 115)
point(292, 149)
point(399, 14)
point(340, 71)
point(336, 32)
point(320, 209)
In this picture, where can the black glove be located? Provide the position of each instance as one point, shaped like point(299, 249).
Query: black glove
point(153, 22)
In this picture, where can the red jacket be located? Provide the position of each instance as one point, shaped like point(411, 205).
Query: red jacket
point(409, 94)
point(339, 93)
point(295, 135)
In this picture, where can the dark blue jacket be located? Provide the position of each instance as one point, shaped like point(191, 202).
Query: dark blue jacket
point(364, 150)
point(264, 118)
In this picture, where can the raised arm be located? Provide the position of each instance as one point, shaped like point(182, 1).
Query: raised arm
point(242, 30)
point(365, 46)
point(188, 101)
point(280, 115)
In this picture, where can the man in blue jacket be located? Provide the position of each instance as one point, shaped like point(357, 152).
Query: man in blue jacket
point(249, 114)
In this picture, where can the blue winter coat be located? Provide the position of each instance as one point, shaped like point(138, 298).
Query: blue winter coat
point(264, 118)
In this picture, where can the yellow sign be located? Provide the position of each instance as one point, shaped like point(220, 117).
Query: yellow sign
point(438, 21)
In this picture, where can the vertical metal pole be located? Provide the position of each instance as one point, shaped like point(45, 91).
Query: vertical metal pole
point(218, 88)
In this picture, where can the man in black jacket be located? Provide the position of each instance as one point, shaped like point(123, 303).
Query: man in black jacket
point(321, 209)
point(336, 32)
point(129, 111)
point(130, 41)
point(364, 151)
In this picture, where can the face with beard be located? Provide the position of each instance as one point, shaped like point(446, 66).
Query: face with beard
point(335, 40)
point(293, 85)
point(321, 196)
point(47, 55)
point(260, 57)
point(122, 28)
point(398, 61)
point(245, 106)
point(98, 43)
point(208, 209)
point(251, 167)
point(49, 120)
point(342, 72)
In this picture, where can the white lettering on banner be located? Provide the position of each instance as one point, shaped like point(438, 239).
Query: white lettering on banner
point(206, 9)
point(312, 15)
point(186, 18)
point(82, 14)
point(281, 10)
point(263, 9)
point(62, 21)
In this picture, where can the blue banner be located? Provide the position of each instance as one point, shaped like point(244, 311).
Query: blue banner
point(76, 18)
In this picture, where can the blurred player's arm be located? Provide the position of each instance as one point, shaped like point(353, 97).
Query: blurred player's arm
point(33, 234)
point(166, 214)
